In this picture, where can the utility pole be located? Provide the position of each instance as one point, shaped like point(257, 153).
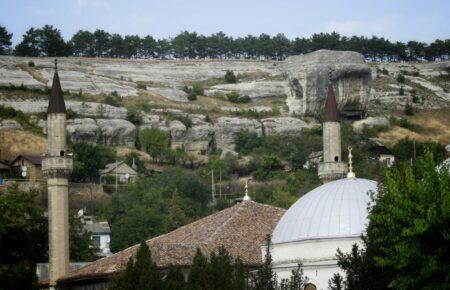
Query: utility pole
point(116, 176)
point(213, 188)
point(220, 182)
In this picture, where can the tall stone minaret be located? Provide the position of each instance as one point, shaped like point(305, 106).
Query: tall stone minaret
point(332, 166)
point(56, 166)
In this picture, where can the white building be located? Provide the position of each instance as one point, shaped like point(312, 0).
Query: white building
point(100, 234)
point(330, 217)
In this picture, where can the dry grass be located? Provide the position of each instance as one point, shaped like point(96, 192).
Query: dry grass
point(16, 142)
point(432, 125)
point(33, 72)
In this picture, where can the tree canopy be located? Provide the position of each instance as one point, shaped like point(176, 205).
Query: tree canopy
point(47, 41)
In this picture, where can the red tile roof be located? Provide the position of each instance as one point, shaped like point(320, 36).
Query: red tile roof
point(331, 111)
point(241, 229)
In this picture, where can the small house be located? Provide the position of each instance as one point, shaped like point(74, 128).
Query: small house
point(28, 166)
point(383, 153)
point(121, 170)
point(100, 234)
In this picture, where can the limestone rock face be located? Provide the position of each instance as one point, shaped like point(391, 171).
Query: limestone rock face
point(171, 94)
point(370, 122)
point(83, 130)
point(10, 124)
point(283, 125)
point(117, 132)
point(255, 89)
point(308, 75)
point(200, 137)
point(226, 127)
point(177, 134)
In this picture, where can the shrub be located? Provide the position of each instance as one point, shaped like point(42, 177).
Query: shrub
point(197, 88)
point(114, 99)
point(246, 142)
point(192, 96)
point(400, 78)
point(141, 86)
point(384, 71)
point(401, 91)
point(230, 77)
point(415, 99)
point(234, 97)
point(267, 167)
point(154, 142)
point(134, 117)
point(31, 63)
point(409, 110)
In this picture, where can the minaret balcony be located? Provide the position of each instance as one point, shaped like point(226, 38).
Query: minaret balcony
point(332, 170)
point(57, 166)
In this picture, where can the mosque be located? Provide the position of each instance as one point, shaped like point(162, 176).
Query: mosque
point(332, 216)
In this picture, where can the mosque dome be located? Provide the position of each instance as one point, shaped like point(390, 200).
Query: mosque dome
point(333, 210)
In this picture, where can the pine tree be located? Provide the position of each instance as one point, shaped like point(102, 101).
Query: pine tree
point(336, 282)
point(221, 270)
point(240, 276)
point(198, 274)
point(265, 278)
point(174, 279)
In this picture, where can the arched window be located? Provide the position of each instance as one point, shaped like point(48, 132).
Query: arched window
point(336, 158)
point(61, 153)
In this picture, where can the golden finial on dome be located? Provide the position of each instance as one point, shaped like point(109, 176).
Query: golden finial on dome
point(246, 196)
point(350, 173)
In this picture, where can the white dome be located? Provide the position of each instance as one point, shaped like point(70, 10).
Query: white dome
point(334, 209)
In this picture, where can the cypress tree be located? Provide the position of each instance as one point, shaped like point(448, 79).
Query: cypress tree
point(174, 279)
point(265, 278)
point(198, 274)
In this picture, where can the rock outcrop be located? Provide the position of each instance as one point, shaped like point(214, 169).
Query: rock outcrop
point(83, 130)
point(283, 125)
point(370, 122)
point(255, 89)
point(10, 124)
point(226, 127)
point(308, 76)
point(117, 132)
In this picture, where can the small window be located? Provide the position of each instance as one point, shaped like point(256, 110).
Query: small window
point(336, 158)
point(61, 153)
point(96, 241)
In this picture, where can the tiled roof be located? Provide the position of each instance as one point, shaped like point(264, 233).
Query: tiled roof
point(241, 229)
point(34, 159)
point(331, 111)
point(97, 227)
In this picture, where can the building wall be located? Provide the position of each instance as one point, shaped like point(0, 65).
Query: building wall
point(318, 257)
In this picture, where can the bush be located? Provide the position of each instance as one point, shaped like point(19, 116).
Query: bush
point(141, 86)
point(134, 117)
point(185, 119)
point(114, 99)
point(409, 110)
point(401, 91)
point(415, 99)
point(31, 63)
point(385, 71)
point(154, 142)
point(267, 167)
point(192, 96)
point(230, 77)
point(400, 78)
point(246, 142)
point(234, 97)
point(197, 88)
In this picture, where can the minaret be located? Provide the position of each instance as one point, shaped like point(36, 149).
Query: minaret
point(332, 166)
point(56, 166)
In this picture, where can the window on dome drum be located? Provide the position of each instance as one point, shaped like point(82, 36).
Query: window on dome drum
point(61, 153)
point(310, 286)
point(336, 159)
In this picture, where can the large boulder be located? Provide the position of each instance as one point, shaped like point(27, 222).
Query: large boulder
point(283, 125)
point(308, 77)
point(171, 94)
point(226, 127)
point(10, 124)
point(117, 132)
point(83, 130)
point(370, 122)
point(177, 134)
point(200, 137)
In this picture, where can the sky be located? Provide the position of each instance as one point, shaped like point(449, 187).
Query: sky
point(397, 20)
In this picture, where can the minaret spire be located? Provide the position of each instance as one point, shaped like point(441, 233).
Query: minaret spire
point(331, 110)
point(56, 102)
point(350, 173)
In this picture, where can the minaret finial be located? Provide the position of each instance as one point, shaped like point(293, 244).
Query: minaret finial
point(246, 196)
point(56, 64)
point(350, 173)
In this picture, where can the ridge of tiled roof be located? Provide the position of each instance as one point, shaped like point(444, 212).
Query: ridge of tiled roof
point(35, 159)
point(241, 229)
point(331, 111)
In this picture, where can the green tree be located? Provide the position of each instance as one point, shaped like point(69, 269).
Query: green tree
point(83, 43)
point(154, 142)
point(336, 282)
point(198, 278)
point(89, 159)
point(174, 279)
point(5, 40)
point(246, 142)
point(101, 42)
point(139, 274)
point(51, 41)
point(230, 77)
point(30, 44)
point(267, 166)
point(265, 278)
